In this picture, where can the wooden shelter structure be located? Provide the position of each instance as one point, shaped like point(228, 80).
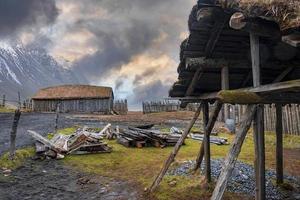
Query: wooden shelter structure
point(233, 58)
point(74, 99)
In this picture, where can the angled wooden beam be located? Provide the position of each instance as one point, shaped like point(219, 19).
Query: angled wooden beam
point(233, 153)
point(192, 86)
point(176, 149)
point(208, 130)
point(214, 37)
point(283, 74)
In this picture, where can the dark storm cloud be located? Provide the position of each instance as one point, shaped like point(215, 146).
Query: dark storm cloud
point(138, 78)
point(130, 29)
point(17, 15)
point(117, 47)
point(151, 91)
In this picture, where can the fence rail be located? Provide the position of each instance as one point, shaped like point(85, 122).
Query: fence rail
point(166, 106)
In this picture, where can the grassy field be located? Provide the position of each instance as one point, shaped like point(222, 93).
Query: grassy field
point(6, 110)
point(140, 166)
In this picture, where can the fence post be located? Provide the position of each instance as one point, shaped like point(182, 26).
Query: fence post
point(3, 101)
point(13, 134)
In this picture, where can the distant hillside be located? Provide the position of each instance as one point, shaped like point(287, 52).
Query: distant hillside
point(27, 70)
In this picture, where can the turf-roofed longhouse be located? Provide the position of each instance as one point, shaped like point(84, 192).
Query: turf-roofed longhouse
point(75, 99)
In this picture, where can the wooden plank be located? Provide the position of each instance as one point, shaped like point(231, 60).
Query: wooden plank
point(279, 145)
point(233, 153)
point(208, 129)
point(176, 149)
point(45, 141)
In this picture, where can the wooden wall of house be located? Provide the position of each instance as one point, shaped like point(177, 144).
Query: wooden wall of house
point(74, 106)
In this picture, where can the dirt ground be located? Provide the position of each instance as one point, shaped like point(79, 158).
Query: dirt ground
point(44, 180)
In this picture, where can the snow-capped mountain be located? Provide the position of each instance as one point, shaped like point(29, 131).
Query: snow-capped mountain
point(27, 70)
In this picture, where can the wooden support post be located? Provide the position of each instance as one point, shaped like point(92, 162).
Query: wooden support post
point(258, 124)
point(279, 145)
point(19, 100)
point(209, 127)
point(56, 118)
point(173, 154)
point(3, 101)
point(13, 134)
point(206, 142)
point(233, 153)
point(225, 86)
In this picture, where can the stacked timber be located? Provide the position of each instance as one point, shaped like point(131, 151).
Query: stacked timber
point(219, 37)
point(80, 142)
point(135, 137)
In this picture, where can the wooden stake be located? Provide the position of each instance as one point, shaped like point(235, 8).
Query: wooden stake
point(3, 101)
point(209, 128)
point(173, 154)
point(13, 134)
point(206, 142)
point(56, 118)
point(279, 145)
point(233, 153)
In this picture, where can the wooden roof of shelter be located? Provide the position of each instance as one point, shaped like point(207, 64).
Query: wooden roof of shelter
point(73, 92)
point(213, 44)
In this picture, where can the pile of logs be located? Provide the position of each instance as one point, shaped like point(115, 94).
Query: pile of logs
point(80, 142)
point(135, 137)
point(213, 139)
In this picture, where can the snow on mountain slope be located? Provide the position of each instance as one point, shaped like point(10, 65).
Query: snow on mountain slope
point(27, 70)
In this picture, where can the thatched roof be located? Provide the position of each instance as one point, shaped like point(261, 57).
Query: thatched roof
point(284, 12)
point(74, 92)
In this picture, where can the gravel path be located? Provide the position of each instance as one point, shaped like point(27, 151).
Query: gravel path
point(243, 180)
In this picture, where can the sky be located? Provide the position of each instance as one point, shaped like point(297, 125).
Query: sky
point(130, 45)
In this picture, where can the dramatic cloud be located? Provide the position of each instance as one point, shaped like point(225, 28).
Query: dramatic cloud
point(17, 15)
point(130, 45)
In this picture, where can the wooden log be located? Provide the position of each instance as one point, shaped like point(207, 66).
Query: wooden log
point(233, 153)
point(279, 145)
point(173, 154)
point(13, 134)
point(259, 26)
point(208, 130)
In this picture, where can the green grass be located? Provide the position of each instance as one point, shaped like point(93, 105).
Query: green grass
point(66, 131)
point(6, 110)
point(140, 166)
point(20, 157)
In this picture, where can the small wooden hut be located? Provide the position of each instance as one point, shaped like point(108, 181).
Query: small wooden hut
point(74, 99)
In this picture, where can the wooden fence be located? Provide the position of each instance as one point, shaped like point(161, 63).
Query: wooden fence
point(166, 106)
point(121, 107)
point(290, 115)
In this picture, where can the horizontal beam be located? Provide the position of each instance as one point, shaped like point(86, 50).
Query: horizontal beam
point(283, 92)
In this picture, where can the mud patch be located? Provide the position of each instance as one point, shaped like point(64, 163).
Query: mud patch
point(41, 180)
